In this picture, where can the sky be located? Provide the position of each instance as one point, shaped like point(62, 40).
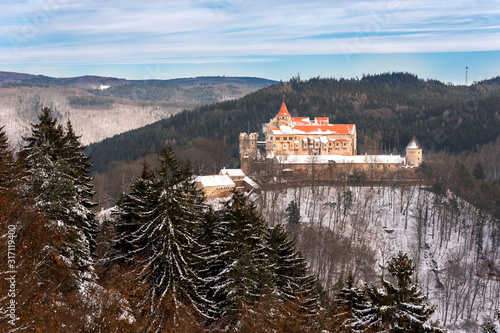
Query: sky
point(158, 39)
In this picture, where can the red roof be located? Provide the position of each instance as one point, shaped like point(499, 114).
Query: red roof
point(301, 120)
point(321, 120)
point(315, 129)
point(334, 128)
point(283, 111)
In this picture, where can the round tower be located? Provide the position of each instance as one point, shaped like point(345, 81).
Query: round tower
point(413, 153)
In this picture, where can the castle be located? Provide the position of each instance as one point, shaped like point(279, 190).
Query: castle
point(297, 143)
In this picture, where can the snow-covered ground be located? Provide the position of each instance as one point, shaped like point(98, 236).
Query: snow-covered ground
point(455, 246)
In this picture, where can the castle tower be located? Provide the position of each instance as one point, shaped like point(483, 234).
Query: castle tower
point(283, 116)
point(413, 153)
point(248, 150)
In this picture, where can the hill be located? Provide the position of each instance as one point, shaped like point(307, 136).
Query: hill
point(121, 105)
point(387, 110)
point(95, 82)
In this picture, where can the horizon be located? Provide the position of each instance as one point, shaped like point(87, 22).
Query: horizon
point(251, 77)
point(236, 38)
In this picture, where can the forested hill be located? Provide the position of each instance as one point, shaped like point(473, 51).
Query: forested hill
point(92, 82)
point(387, 110)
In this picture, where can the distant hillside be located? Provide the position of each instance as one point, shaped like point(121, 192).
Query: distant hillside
point(387, 110)
point(94, 118)
point(123, 106)
point(95, 82)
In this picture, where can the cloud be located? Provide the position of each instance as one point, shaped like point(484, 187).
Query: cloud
point(87, 31)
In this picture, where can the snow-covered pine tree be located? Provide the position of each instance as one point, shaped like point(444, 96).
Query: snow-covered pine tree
point(400, 308)
point(212, 232)
point(246, 278)
point(351, 305)
point(165, 246)
point(289, 268)
point(80, 167)
point(290, 274)
point(6, 160)
point(51, 181)
point(132, 211)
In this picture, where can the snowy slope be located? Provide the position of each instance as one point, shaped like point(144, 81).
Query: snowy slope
point(454, 246)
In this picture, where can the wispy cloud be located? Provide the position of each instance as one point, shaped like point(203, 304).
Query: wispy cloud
point(126, 31)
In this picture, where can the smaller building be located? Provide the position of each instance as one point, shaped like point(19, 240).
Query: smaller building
point(234, 174)
point(243, 183)
point(225, 183)
point(215, 186)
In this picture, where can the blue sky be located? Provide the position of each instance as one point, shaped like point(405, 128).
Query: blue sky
point(271, 39)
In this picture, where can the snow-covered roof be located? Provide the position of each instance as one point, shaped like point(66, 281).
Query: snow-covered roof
point(215, 180)
point(314, 128)
point(232, 172)
point(325, 159)
point(250, 182)
point(414, 144)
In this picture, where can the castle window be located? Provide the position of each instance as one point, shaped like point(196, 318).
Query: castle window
point(285, 138)
point(336, 144)
point(290, 138)
point(277, 138)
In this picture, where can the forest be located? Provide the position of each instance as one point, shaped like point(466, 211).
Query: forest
point(388, 109)
point(165, 260)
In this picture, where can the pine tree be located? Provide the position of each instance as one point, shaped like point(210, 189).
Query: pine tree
point(57, 187)
point(6, 160)
point(489, 327)
point(80, 167)
point(352, 305)
point(132, 211)
point(478, 172)
point(400, 308)
point(290, 274)
point(293, 218)
point(166, 243)
point(246, 278)
point(289, 267)
point(212, 233)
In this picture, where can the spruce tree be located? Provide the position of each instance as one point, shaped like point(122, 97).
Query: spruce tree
point(352, 306)
point(6, 160)
point(293, 284)
point(57, 185)
point(166, 243)
point(293, 218)
point(212, 235)
point(289, 268)
point(80, 168)
point(246, 278)
point(401, 307)
point(132, 211)
point(478, 172)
